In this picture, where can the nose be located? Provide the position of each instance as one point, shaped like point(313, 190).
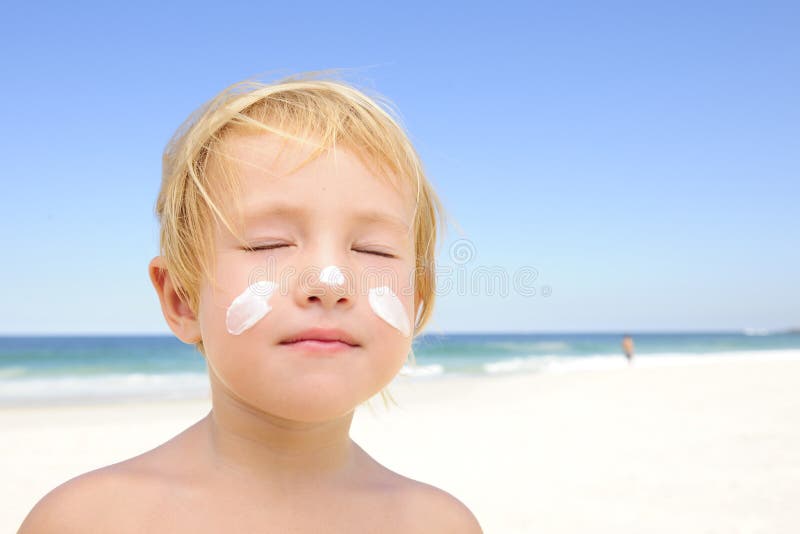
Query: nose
point(327, 285)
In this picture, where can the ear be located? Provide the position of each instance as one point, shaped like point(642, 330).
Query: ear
point(179, 317)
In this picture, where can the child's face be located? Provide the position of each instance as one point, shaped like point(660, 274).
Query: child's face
point(331, 229)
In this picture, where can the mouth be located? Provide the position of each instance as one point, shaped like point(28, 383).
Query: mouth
point(321, 338)
point(318, 348)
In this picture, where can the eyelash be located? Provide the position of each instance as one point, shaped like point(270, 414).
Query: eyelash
point(270, 247)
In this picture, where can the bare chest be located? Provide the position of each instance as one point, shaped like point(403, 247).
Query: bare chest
point(300, 514)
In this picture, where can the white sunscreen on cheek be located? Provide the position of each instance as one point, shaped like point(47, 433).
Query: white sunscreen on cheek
point(332, 276)
point(388, 307)
point(249, 307)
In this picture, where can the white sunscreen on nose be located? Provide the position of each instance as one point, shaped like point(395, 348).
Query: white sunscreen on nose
point(249, 307)
point(388, 307)
point(332, 276)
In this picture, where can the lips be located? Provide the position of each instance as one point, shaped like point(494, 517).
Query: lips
point(329, 335)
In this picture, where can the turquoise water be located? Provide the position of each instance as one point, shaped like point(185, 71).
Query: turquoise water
point(52, 369)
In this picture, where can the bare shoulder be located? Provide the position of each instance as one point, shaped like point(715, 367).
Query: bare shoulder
point(443, 511)
point(122, 497)
point(434, 510)
point(81, 504)
point(423, 508)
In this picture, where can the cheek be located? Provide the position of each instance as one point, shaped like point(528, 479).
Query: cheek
point(389, 298)
point(249, 307)
point(390, 308)
point(234, 306)
point(230, 313)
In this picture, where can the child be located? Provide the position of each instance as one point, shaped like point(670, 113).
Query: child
point(297, 254)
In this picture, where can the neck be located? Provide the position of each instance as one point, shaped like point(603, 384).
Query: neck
point(246, 440)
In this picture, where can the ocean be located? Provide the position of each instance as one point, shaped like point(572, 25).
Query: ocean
point(80, 369)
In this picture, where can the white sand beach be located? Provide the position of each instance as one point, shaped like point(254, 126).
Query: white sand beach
point(709, 447)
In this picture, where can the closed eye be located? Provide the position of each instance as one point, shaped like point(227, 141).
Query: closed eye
point(267, 247)
point(375, 252)
point(280, 245)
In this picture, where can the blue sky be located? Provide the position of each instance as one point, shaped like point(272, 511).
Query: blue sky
point(644, 159)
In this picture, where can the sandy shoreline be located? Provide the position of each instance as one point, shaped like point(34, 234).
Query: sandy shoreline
point(696, 448)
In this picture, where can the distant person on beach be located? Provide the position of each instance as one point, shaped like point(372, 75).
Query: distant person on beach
point(297, 245)
point(627, 347)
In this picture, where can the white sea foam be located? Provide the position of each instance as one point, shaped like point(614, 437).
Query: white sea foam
point(107, 386)
point(11, 372)
point(567, 364)
point(554, 346)
point(513, 365)
point(419, 371)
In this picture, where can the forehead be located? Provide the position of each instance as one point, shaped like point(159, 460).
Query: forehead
point(271, 181)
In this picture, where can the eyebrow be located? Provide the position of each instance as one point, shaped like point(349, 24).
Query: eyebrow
point(290, 210)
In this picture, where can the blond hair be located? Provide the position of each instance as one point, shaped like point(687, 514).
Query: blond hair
point(295, 108)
